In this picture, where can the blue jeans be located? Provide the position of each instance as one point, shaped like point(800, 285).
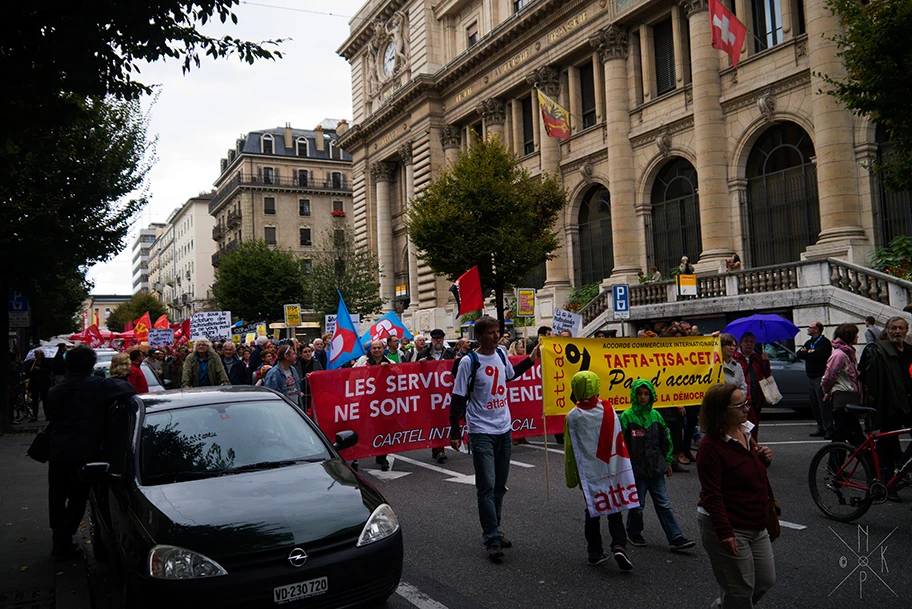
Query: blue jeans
point(659, 493)
point(491, 456)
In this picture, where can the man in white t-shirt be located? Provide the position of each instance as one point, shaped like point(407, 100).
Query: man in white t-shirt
point(480, 395)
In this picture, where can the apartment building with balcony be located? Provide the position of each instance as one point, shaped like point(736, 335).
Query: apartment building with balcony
point(140, 261)
point(673, 151)
point(285, 186)
point(181, 260)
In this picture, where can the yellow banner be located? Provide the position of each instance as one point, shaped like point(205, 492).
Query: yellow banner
point(682, 369)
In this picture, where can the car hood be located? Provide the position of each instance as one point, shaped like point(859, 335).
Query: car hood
point(258, 511)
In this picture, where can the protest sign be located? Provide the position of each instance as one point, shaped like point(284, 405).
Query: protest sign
point(402, 407)
point(261, 330)
point(682, 369)
point(292, 315)
point(566, 321)
point(331, 323)
point(161, 337)
point(525, 302)
point(210, 324)
point(249, 337)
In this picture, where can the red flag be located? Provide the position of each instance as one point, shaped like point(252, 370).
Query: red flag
point(467, 291)
point(161, 322)
point(183, 333)
point(141, 328)
point(128, 326)
point(727, 32)
point(93, 337)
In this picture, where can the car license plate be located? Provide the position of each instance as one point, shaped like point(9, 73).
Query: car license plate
point(293, 592)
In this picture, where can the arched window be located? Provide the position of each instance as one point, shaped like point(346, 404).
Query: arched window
point(675, 216)
point(892, 210)
point(783, 213)
point(595, 237)
point(303, 147)
point(267, 144)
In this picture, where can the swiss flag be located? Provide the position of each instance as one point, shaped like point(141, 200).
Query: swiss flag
point(727, 32)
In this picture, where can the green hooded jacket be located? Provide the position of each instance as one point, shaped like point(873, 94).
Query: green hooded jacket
point(646, 434)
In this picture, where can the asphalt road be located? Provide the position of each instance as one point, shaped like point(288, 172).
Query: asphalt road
point(817, 560)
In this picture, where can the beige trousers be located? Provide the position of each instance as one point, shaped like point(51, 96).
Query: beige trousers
point(744, 578)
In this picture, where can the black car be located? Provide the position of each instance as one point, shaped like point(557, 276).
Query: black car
point(233, 497)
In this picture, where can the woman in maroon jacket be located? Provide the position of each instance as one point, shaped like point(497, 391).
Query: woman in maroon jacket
point(756, 367)
point(734, 496)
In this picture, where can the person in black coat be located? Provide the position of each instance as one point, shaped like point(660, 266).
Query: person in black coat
point(815, 353)
point(306, 364)
point(234, 366)
point(256, 356)
point(78, 408)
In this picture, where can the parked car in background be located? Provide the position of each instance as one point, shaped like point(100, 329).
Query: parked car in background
point(156, 385)
point(790, 376)
point(232, 497)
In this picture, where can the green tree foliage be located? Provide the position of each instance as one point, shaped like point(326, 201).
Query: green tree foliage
point(133, 309)
point(342, 265)
point(581, 296)
point(256, 281)
point(874, 48)
point(895, 258)
point(486, 210)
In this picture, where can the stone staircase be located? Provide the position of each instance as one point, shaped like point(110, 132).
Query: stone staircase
point(849, 289)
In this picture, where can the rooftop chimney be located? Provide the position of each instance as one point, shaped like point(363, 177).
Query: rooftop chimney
point(318, 136)
point(342, 127)
point(289, 141)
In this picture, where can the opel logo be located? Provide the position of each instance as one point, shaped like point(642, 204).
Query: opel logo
point(297, 558)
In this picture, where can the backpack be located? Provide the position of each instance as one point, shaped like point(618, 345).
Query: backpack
point(476, 365)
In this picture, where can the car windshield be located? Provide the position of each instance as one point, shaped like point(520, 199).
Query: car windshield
point(777, 352)
point(219, 439)
point(104, 356)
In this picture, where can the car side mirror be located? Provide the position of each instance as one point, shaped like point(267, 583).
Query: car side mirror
point(345, 439)
point(93, 473)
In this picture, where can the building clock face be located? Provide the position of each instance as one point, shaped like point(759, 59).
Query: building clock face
point(389, 59)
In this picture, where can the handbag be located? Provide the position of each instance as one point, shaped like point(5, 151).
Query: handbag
point(770, 390)
point(40, 449)
point(773, 512)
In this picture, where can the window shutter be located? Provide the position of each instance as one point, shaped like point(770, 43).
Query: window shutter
point(663, 40)
point(587, 94)
point(528, 129)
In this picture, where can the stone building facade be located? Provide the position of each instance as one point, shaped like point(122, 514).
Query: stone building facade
point(283, 186)
point(673, 151)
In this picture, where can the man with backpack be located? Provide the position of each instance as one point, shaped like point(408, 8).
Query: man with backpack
point(480, 395)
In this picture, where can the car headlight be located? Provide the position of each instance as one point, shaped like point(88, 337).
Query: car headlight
point(381, 524)
point(172, 562)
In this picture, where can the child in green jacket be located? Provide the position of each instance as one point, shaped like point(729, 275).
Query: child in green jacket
point(650, 448)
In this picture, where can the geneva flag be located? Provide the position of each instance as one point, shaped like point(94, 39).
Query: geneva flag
point(386, 326)
point(344, 345)
point(556, 119)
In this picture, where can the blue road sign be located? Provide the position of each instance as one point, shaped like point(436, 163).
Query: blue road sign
point(621, 297)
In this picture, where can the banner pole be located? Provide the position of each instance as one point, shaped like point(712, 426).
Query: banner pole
point(547, 469)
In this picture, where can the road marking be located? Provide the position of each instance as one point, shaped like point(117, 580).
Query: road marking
point(417, 597)
point(792, 525)
point(454, 476)
point(540, 447)
point(795, 442)
point(391, 475)
point(520, 464)
point(789, 424)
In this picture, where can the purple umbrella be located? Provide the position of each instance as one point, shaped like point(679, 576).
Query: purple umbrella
point(767, 328)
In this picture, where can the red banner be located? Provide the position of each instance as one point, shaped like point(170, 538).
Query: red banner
point(401, 407)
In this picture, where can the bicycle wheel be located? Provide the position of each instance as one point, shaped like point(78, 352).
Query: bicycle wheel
point(846, 496)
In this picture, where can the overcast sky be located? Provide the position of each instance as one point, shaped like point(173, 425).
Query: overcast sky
point(198, 117)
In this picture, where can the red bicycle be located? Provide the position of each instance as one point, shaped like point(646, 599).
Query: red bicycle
point(845, 481)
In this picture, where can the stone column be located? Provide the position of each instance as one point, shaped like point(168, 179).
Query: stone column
point(557, 270)
point(710, 141)
point(451, 139)
point(613, 45)
point(576, 101)
point(840, 232)
point(493, 115)
point(519, 135)
point(382, 172)
point(546, 78)
point(405, 157)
